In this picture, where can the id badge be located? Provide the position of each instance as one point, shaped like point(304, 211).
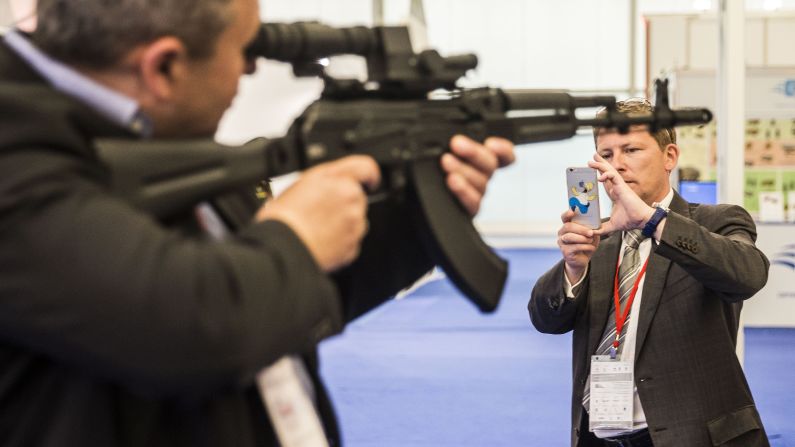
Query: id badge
point(292, 412)
point(612, 394)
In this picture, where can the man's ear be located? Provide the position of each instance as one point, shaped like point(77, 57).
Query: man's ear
point(163, 64)
point(671, 157)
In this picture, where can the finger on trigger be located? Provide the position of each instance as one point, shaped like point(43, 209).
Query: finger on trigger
point(361, 168)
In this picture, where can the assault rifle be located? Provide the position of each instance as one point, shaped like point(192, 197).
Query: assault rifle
point(403, 116)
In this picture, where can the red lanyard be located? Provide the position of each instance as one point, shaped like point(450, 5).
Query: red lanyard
point(621, 317)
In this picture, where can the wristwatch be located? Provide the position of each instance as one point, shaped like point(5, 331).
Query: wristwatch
point(660, 213)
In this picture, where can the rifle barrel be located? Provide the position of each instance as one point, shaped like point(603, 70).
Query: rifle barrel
point(667, 118)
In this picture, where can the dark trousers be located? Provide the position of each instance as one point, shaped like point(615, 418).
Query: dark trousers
point(588, 439)
point(638, 439)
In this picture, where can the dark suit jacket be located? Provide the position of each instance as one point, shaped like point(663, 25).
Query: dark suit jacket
point(118, 331)
point(689, 380)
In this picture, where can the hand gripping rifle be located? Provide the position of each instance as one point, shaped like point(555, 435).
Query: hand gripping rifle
point(392, 117)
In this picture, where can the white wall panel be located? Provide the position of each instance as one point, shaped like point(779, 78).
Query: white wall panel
point(396, 11)
point(496, 35)
point(755, 42)
point(668, 39)
point(702, 46)
point(5, 15)
point(333, 12)
point(780, 37)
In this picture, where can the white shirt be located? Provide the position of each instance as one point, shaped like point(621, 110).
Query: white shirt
point(628, 352)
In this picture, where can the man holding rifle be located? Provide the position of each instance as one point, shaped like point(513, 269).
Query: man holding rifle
point(116, 329)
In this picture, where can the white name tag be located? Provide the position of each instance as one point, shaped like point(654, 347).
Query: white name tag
point(290, 409)
point(612, 394)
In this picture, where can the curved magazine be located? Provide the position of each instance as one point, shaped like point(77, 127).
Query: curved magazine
point(452, 240)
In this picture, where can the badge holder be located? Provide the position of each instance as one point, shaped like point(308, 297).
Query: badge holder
point(612, 394)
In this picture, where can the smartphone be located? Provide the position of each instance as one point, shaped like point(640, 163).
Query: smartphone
point(583, 193)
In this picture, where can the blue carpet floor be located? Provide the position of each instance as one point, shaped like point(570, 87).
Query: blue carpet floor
point(431, 371)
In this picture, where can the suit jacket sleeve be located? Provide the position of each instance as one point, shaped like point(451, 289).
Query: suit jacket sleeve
point(550, 310)
point(717, 247)
point(96, 285)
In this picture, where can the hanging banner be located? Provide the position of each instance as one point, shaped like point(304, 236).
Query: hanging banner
point(774, 305)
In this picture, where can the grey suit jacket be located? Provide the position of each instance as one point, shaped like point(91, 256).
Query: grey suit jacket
point(689, 380)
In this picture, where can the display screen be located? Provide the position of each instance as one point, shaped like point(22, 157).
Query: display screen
point(699, 192)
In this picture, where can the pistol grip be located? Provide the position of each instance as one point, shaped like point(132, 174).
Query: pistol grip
point(451, 240)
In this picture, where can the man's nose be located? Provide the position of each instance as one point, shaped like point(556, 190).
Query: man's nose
point(617, 162)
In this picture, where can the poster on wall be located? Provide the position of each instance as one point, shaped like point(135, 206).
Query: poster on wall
point(774, 305)
point(769, 152)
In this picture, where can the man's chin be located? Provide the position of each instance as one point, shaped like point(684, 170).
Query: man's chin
point(635, 187)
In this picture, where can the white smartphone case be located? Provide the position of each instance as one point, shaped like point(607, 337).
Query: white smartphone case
point(583, 193)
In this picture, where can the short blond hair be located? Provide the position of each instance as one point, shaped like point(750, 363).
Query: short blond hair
point(663, 136)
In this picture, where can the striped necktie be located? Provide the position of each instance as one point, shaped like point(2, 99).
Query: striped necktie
point(627, 274)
